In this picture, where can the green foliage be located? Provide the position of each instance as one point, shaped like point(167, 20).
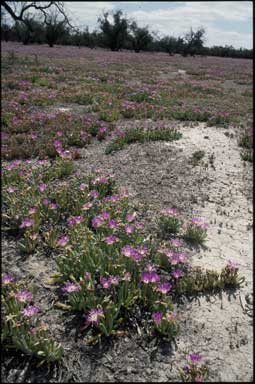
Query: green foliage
point(168, 225)
point(196, 157)
point(141, 135)
point(26, 334)
point(195, 234)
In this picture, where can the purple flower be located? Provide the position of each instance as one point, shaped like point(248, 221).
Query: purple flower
point(105, 215)
point(150, 268)
point(182, 256)
point(73, 220)
point(83, 187)
point(46, 202)
point(127, 250)
point(155, 278)
point(111, 239)
point(97, 222)
point(57, 143)
point(87, 275)
point(129, 228)
point(42, 187)
point(32, 210)
point(71, 287)
point(114, 280)
point(164, 288)
point(113, 224)
point(143, 250)
point(94, 315)
point(24, 296)
point(93, 194)
point(27, 222)
point(169, 212)
point(195, 357)
point(63, 241)
point(105, 282)
point(176, 243)
point(87, 206)
point(199, 222)
point(100, 180)
point(145, 277)
point(11, 189)
point(7, 279)
point(131, 217)
point(177, 273)
point(157, 317)
point(126, 277)
point(150, 277)
point(233, 265)
point(53, 206)
point(30, 310)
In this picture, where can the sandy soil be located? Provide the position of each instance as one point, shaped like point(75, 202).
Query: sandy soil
point(158, 175)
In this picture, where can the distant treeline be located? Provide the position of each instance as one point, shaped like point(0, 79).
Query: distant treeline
point(116, 35)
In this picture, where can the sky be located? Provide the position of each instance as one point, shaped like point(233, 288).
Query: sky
point(225, 22)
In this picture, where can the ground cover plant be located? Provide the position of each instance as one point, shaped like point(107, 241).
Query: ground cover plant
point(112, 271)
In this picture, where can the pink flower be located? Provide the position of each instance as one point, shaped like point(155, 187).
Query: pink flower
point(176, 243)
point(157, 317)
point(126, 277)
point(150, 268)
point(46, 202)
point(113, 224)
point(63, 241)
point(169, 212)
point(87, 206)
point(87, 275)
point(24, 296)
point(73, 220)
point(195, 357)
point(53, 206)
point(94, 316)
point(129, 228)
point(93, 194)
point(42, 187)
point(149, 277)
point(7, 279)
point(164, 288)
point(30, 310)
point(71, 287)
point(11, 189)
point(114, 280)
point(27, 222)
point(233, 265)
point(199, 222)
point(111, 239)
point(131, 217)
point(32, 210)
point(177, 273)
point(97, 222)
point(83, 187)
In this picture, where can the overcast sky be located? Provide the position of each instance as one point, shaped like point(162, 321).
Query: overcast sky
point(225, 22)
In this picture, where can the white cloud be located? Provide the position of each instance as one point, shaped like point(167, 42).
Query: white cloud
point(87, 12)
point(177, 21)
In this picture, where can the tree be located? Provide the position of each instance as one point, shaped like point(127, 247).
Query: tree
point(54, 28)
point(193, 42)
point(19, 10)
point(171, 44)
point(114, 34)
point(140, 37)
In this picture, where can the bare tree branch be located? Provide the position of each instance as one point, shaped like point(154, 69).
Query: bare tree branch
point(12, 9)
